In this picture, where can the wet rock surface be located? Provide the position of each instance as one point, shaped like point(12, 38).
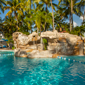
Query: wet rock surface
point(20, 53)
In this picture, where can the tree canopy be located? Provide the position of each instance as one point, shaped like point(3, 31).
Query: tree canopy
point(34, 15)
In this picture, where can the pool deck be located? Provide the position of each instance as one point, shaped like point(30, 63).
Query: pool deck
point(6, 49)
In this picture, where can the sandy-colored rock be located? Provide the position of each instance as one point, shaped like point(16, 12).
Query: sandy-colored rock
point(76, 53)
point(80, 41)
point(20, 53)
point(84, 40)
point(29, 50)
point(76, 47)
point(50, 34)
point(55, 55)
point(62, 40)
point(23, 40)
point(40, 54)
point(24, 56)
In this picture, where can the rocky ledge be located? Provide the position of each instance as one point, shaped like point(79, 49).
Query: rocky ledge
point(35, 53)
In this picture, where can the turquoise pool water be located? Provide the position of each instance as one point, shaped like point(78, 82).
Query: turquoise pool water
point(42, 71)
point(6, 52)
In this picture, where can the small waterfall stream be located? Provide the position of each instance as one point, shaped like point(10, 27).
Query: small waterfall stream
point(81, 48)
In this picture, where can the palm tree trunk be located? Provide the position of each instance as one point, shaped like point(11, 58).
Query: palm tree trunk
point(16, 20)
point(84, 16)
point(52, 15)
point(72, 13)
point(70, 23)
point(40, 30)
point(37, 29)
point(30, 16)
point(22, 16)
point(45, 21)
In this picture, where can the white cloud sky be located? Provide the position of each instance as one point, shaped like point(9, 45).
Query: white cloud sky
point(74, 24)
point(81, 17)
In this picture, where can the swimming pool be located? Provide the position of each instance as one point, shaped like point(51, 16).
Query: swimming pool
point(40, 71)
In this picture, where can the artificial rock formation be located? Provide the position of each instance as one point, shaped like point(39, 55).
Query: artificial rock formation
point(58, 44)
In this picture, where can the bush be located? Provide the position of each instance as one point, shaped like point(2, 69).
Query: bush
point(26, 33)
point(10, 40)
point(13, 48)
point(79, 30)
point(45, 43)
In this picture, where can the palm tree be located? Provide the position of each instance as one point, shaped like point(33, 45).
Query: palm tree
point(70, 7)
point(44, 5)
point(2, 2)
point(14, 9)
point(52, 14)
point(38, 20)
point(81, 6)
point(9, 25)
point(47, 4)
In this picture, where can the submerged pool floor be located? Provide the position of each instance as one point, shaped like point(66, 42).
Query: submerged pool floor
point(42, 71)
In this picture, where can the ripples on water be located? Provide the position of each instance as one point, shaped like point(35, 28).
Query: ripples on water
point(42, 71)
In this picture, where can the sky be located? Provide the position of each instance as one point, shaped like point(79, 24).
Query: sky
point(77, 20)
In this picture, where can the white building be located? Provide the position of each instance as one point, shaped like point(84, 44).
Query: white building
point(1, 35)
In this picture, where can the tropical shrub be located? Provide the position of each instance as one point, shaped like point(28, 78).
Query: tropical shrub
point(45, 43)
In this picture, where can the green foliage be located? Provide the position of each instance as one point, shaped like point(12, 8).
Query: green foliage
point(2, 3)
point(79, 30)
point(10, 40)
point(27, 33)
point(45, 43)
point(13, 48)
point(31, 15)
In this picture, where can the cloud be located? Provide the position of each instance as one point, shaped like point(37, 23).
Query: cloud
point(81, 17)
point(74, 24)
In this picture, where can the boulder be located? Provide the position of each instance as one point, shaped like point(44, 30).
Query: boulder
point(21, 39)
point(20, 53)
point(40, 54)
point(72, 39)
point(30, 50)
point(55, 55)
point(50, 34)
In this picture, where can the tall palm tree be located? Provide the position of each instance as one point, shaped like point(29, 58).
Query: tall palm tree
point(52, 14)
point(71, 14)
point(47, 4)
point(70, 7)
point(38, 20)
point(30, 16)
point(81, 6)
point(14, 9)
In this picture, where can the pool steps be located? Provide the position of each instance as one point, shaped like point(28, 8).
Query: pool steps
point(70, 60)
